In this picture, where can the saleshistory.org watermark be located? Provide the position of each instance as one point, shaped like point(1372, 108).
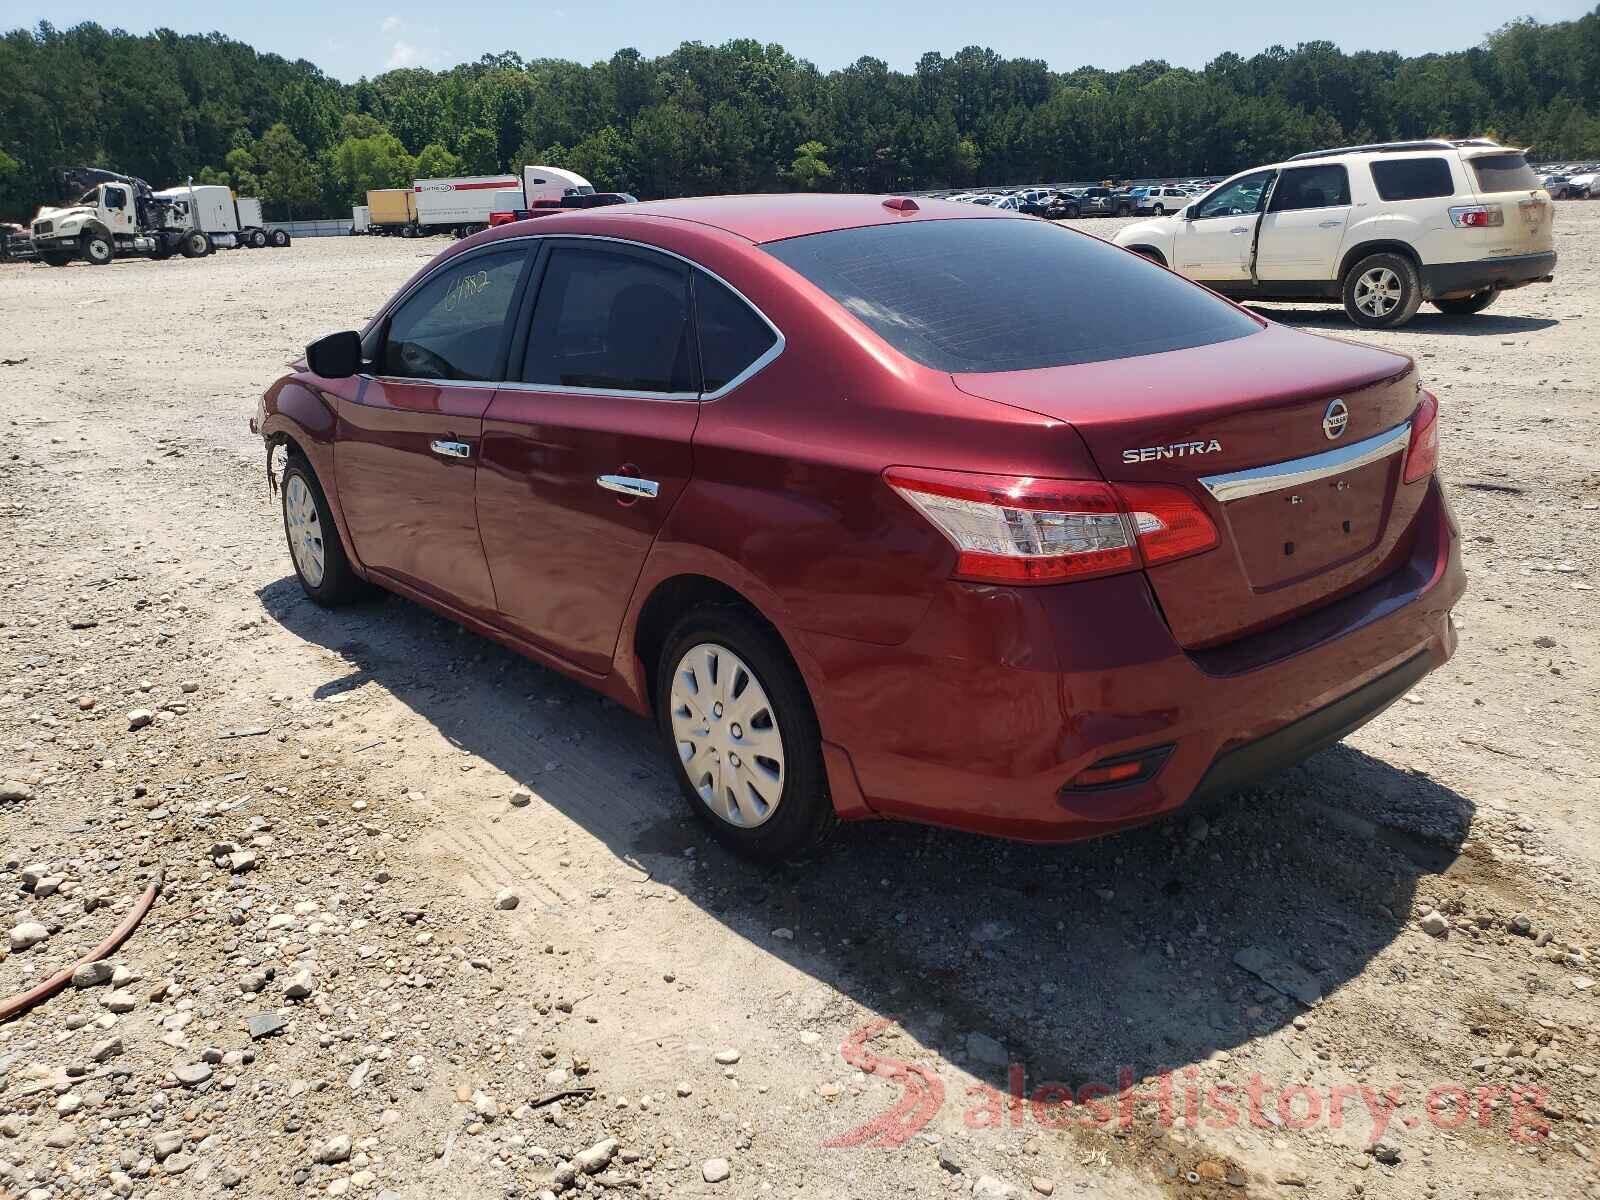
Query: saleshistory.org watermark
point(1170, 1096)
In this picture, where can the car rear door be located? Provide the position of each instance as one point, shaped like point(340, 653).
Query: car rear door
point(1213, 245)
point(588, 444)
point(409, 435)
point(1305, 224)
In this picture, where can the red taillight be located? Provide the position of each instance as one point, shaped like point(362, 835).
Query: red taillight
point(1168, 522)
point(1477, 216)
point(1010, 529)
point(1422, 455)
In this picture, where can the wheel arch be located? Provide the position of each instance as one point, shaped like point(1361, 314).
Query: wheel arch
point(302, 421)
point(1377, 246)
point(636, 662)
point(1150, 252)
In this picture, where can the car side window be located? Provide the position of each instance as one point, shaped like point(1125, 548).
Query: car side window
point(612, 319)
point(1239, 198)
point(1412, 178)
point(732, 336)
point(1326, 186)
point(454, 325)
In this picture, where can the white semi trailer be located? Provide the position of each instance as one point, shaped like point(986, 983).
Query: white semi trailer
point(458, 206)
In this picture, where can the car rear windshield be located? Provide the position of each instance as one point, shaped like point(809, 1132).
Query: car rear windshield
point(1504, 173)
point(1007, 295)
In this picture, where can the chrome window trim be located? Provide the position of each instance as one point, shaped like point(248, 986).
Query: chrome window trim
point(1257, 481)
point(755, 368)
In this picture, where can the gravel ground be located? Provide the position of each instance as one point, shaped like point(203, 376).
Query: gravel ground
point(434, 921)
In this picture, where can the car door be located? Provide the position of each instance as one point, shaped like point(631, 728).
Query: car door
point(408, 441)
point(1305, 225)
point(1213, 242)
point(586, 449)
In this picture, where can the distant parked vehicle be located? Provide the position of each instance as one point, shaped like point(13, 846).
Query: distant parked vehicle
point(1559, 186)
point(392, 212)
point(1104, 202)
point(1380, 227)
point(1159, 201)
point(360, 219)
point(1066, 206)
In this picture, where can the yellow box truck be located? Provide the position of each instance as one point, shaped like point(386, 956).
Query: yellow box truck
point(392, 211)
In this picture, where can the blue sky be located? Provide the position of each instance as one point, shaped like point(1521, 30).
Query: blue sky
point(364, 37)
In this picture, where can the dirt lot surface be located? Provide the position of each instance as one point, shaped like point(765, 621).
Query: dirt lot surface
point(330, 998)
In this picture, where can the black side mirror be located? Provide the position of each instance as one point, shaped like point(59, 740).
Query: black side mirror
point(337, 356)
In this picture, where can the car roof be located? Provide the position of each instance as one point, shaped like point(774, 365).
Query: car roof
point(771, 218)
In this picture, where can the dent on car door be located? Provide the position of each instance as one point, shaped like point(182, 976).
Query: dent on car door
point(1304, 227)
point(1214, 246)
point(408, 439)
point(588, 445)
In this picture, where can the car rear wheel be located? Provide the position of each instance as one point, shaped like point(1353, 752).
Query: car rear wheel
point(743, 737)
point(314, 547)
point(1382, 291)
point(1467, 305)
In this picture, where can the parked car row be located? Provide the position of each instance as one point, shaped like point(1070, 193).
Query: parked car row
point(1570, 181)
point(1057, 202)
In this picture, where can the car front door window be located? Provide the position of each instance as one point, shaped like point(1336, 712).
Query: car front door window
point(1239, 198)
point(453, 327)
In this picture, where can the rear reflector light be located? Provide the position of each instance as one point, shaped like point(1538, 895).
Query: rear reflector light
point(1477, 216)
point(1010, 529)
point(1422, 455)
point(1121, 769)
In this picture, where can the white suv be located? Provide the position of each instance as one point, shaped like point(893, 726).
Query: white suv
point(1382, 228)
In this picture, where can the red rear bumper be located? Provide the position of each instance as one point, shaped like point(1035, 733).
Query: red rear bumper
point(1003, 696)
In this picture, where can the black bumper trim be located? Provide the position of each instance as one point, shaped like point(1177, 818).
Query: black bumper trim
point(1441, 279)
point(1239, 767)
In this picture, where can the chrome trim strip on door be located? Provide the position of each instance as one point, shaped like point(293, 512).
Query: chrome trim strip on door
point(1256, 481)
point(451, 449)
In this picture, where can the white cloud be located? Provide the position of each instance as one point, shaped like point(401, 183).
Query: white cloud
point(403, 54)
point(410, 45)
point(391, 24)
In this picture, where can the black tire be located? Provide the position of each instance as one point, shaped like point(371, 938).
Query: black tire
point(1467, 305)
point(195, 244)
point(279, 238)
point(56, 260)
point(98, 250)
point(803, 814)
point(1402, 293)
point(339, 584)
point(258, 238)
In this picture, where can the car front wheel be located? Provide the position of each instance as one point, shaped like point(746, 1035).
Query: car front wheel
point(738, 723)
point(314, 547)
point(1382, 291)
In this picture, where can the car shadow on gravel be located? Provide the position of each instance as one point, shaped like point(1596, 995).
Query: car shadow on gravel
point(1426, 321)
point(1079, 962)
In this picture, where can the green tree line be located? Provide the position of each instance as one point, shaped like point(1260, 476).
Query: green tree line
point(744, 116)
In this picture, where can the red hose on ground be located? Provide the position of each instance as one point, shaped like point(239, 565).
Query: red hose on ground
point(20, 1004)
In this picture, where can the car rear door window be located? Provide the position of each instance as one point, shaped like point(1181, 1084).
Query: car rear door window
point(999, 294)
point(1325, 186)
point(454, 325)
point(1504, 173)
point(615, 319)
point(732, 337)
point(1412, 178)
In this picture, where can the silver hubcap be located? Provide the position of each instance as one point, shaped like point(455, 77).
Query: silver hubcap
point(304, 525)
point(727, 735)
point(1378, 292)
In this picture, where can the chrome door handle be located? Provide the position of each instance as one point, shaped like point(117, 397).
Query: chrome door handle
point(1241, 229)
point(451, 449)
point(1330, 224)
point(630, 485)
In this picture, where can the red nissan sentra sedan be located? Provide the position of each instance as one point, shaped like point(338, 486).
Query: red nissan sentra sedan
point(885, 507)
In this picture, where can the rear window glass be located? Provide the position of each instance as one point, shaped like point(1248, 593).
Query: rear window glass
point(1007, 295)
point(1412, 178)
point(1504, 173)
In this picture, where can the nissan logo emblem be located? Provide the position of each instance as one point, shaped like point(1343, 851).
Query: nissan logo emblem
point(1335, 419)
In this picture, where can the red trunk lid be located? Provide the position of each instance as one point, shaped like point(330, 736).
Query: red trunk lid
point(1244, 425)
